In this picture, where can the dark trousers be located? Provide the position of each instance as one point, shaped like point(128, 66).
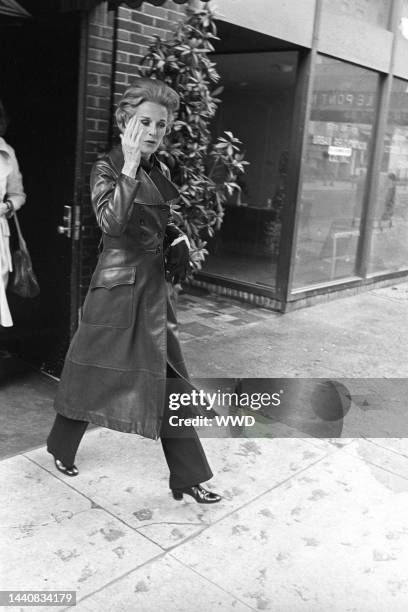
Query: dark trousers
point(184, 454)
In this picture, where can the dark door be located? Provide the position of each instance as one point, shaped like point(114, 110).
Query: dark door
point(39, 78)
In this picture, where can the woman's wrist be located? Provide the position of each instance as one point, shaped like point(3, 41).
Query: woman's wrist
point(130, 169)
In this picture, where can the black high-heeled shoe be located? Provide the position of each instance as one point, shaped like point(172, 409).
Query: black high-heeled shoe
point(201, 495)
point(68, 471)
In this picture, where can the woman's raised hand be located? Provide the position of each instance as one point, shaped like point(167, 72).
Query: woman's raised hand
point(131, 146)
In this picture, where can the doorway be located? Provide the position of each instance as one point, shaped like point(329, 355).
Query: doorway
point(259, 76)
point(39, 87)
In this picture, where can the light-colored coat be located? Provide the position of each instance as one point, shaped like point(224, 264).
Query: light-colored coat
point(11, 188)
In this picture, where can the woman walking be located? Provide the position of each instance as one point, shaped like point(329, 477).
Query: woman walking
point(12, 197)
point(126, 344)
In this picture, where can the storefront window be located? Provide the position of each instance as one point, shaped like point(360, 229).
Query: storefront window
point(339, 142)
point(257, 107)
point(389, 241)
point(372, 11)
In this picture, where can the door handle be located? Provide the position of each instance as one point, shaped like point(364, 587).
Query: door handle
point(66, 227)
point(77, 227)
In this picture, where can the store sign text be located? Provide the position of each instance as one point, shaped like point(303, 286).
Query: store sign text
point(340, 151)
point(331, 99)
point(330, 141)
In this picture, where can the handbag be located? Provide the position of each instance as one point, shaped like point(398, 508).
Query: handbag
point(23, 281)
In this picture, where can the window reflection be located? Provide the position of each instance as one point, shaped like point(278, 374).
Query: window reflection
point(334, 172)
point(389, 241)
point(257, 107)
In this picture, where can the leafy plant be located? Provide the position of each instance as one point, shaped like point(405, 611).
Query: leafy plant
point(205, 171)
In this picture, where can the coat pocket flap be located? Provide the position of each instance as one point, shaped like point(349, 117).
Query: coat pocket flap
point(111, 277)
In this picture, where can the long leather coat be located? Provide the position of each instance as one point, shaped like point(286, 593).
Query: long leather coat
point(115, 370)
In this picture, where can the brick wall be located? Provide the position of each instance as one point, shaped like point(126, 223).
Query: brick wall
point(98, 92)
point(135, 31)
point(116, 43)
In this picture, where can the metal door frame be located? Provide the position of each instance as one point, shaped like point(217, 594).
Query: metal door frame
point(78, 190)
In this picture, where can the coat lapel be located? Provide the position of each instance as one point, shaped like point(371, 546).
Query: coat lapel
point(148, 193)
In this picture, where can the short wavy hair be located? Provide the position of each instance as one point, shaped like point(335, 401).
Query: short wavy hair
point(146, 90)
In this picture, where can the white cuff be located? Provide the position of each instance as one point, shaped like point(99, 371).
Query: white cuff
point(180, 239)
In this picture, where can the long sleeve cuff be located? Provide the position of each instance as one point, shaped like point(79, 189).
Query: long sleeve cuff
point(181, 239)
point(11, 210)
point(112, 200)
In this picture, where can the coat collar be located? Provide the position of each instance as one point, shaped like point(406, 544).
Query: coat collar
point(167, 186)
point(116, 156)
point(5, 159)
point(3, 145)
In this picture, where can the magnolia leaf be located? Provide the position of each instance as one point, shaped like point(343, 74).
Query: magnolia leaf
point(204, 171)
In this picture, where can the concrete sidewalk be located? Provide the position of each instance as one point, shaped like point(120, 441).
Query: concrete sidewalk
point(361, 336)
point(306, 524)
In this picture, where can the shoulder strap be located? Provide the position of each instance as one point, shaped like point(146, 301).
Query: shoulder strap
point(21, 241)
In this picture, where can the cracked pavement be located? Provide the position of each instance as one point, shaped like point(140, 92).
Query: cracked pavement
point(307, 522)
